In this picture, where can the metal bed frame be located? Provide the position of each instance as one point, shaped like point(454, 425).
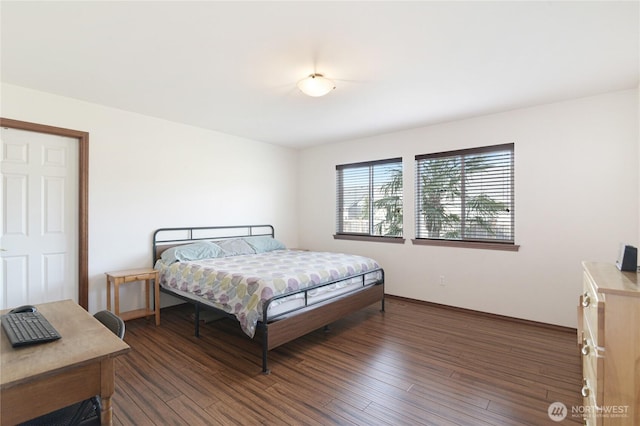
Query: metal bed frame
point(286, 326)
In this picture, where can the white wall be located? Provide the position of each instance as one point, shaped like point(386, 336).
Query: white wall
point(577, 191)
point(147, 173)
point(576, 198)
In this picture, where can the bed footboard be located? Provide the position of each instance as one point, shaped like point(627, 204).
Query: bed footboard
point(287, 329)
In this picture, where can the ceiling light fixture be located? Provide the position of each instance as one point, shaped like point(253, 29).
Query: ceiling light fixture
point(316, 85)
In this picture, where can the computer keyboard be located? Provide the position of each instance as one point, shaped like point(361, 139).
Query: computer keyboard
point(27, 328)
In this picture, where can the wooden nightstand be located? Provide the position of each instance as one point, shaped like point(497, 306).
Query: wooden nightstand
point(130, 275)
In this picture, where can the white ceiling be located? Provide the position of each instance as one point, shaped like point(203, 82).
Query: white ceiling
point(233, 66)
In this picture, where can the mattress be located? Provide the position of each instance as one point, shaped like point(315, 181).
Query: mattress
point(244, 285)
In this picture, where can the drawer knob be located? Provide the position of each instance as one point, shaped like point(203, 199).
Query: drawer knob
point(585, 347)
point(586, 300)
point(585, 391)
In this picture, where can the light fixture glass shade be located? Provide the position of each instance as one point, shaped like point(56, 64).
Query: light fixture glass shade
point(316, 85)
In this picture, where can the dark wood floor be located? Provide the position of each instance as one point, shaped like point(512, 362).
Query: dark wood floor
point(413, 364)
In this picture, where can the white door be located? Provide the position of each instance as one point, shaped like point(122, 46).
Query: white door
point(39, 217)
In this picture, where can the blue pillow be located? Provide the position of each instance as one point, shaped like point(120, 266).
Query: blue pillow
point(193, 251)
point(264, 243)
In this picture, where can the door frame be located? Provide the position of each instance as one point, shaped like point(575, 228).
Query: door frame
point(83, 195)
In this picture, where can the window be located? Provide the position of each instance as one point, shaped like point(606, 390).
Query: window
point(466, 195)
point(369, 199)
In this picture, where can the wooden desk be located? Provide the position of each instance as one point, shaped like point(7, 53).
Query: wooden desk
point(42, 378)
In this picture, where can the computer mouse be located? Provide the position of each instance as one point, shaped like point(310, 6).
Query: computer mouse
point(24, 308)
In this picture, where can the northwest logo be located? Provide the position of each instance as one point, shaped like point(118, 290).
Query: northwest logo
point(557, 411)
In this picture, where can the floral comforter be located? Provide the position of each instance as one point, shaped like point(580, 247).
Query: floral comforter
point(241, 285)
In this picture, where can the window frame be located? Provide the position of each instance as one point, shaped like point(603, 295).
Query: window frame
point(354, 236)
point(466, 242)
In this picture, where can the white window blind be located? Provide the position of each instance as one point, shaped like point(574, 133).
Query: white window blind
point(369, 198)
point(466, 195)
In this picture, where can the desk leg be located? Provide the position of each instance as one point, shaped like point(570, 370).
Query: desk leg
point(107, 372)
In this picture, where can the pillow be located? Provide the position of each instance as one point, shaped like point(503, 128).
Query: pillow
point(264, 243)
point(193, 251)
point(235, 247)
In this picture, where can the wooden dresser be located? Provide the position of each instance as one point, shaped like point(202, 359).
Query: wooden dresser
point(609, 339)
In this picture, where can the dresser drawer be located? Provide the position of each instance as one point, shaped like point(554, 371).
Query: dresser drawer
point(590, 414)
point(592, 370)
point(593, 312)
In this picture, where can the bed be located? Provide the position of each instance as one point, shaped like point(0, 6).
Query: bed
point(243, 272)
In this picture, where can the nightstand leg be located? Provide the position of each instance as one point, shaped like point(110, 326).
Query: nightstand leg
point(108, 293)
point(156, 299)
point(116, 296)
point(147, 294)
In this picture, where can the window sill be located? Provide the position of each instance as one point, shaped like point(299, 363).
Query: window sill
point(393, 240)
point(466, 244)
